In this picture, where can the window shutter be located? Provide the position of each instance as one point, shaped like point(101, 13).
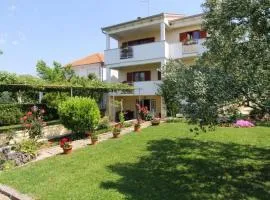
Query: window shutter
point(148, 76)
point(203, 34)
point(129, 77)
point(183, 37)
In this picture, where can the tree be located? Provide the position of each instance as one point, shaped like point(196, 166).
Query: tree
point(57, 73)
point(235, 70)
point(239, 44)
point(167, 89)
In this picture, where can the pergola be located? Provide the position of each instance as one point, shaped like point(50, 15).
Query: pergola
point(41, 88)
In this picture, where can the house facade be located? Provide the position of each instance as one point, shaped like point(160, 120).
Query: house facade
point(144, 45)
point(92, 64)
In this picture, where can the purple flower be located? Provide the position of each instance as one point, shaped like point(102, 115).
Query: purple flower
point(243, 123)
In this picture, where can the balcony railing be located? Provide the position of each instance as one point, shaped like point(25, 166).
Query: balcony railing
point(142, 88)
point(138, 53)
point(152, 52)
point(126, 53)
point(192, 47)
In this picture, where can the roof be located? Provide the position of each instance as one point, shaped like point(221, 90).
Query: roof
point(91, 59)
point(141, 19)
point(187, 17)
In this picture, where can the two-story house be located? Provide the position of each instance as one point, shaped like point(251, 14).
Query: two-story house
point(144, 45)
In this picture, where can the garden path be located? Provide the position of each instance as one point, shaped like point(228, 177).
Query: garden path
point(52, 151)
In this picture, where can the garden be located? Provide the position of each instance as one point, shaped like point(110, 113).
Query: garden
point(210, 146)
point(161, 162)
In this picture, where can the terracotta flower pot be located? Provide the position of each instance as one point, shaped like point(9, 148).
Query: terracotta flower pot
point(137, 128)
point(116, 134)
point(67, 150)
point(94, 140)
point(155, 122)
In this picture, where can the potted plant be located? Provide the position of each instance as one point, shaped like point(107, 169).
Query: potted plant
point(137, 127)
point(94, 138)
point(116, 132)
point(155, 122)
point(65, 144)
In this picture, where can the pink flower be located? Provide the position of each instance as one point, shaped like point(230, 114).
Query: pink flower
point(243, 123)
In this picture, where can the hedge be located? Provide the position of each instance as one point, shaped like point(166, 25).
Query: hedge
point(10, 114)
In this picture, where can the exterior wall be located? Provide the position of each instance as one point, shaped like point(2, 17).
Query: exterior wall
point(140, 35)
point(129, 103)
point(148, 67)
point(84, 70)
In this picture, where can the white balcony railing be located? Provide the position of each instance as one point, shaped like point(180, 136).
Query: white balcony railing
point(142, 88)
point(121, 57)
point(151, 52)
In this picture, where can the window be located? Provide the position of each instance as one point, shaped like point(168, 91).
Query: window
point(192, 37)
point(159, 75)
point(138, 76)
point(138, 42)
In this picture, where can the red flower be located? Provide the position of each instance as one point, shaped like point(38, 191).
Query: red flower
point(64, 141)
point(29, 113)
point(24, 118)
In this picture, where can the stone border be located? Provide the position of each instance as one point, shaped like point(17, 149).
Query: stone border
point(78, 144)
point(12, 193)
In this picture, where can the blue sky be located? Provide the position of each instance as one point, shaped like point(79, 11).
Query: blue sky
point(65, 30)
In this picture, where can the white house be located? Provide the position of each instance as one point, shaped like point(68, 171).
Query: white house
point(93, 63)
point(144, 45)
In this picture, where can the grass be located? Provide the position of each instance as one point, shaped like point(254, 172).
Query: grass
point(165, 162)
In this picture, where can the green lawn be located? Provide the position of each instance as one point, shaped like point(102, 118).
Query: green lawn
point(165, 162)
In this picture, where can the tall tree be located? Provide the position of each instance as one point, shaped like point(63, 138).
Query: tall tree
point(239, 43)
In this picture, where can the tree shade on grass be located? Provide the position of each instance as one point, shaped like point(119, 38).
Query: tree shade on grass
point(165, 162)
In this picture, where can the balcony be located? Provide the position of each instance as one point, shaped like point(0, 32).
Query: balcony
point(139, 54)
point(193, 48)
point(152, 52)
point(141, 88)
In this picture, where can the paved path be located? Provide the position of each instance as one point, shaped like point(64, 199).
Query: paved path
point(8, 193)
point(3, 197)
point(52, 151)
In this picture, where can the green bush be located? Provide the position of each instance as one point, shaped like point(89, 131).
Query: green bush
point(28, 146)
point(10, 114)
point(79, 114)
point(104, 123)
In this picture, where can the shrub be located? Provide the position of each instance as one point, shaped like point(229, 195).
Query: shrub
point(33, 122)
point(28, 146)
point(79, 114)
point(104, 123)
point(121, 118)
point(10, 114)
point(127, 124)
